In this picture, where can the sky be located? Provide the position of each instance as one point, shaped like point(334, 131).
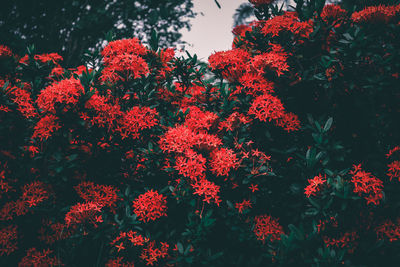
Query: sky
point(212, 28)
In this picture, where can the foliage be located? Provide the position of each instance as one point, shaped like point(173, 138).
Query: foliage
point(281, 151)
point(72, 27)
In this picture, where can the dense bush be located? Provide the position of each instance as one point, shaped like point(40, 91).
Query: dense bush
point(281, 151)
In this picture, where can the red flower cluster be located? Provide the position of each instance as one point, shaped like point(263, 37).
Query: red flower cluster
point(365, 184)
point(46, 126)
point(8, 240)
point(39, 258)
point(232, 64)
point(123, 61)
point(223, 161)
point(333, 14)
point(81, 213)
point(150, 206)
point(315, 185)
point(346, 240)
point(192, 165)
point(376, 14)
point(267, 228)
point(389, 230)
point(5, 51)
point(52, 57)
point(103, 195)
point(208, 190)
point(65, 93)
point(136, 120)
point(288, 22)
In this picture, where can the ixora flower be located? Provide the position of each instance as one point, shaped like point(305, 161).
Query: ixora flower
point(150, 206)
point(66, 92)
point(315, 185)
point(267, 228)
point(366, 185)
point(223, 161)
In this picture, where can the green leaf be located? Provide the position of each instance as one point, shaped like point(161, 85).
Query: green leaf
point(180, 247)
point(328, 124)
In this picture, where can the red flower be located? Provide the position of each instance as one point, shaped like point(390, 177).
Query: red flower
point(150, 206)
point(124, 46)
point(274, 61)
point(34, 193)
point(104, 195)
point(137, 119)
point(333, 14)
point(367, 185)
point(191, 165)
point(394, 170)
point(231, 64)
point(24, 101)
point(208, 190)
point(267, 107)
point(8, 240)
point(45, 127)
point(197, 119)
point(150, 254)
point(376, 14)
point(267, 228)
point(223, 161)
point(288, 22)
point(83, 213)
point(5, 51)
point(52, 57)
point(66, 92)
point(388, 230)
point(37, 258)
point(244, 205)
point(315, 185)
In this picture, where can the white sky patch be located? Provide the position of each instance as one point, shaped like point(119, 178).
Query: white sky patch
point(212, 28)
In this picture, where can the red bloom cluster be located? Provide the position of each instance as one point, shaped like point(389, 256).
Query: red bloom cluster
point(191, 165)
point(123, 60)
point(32, 195)
point(24, 101)
point(208, 190)
point(346, 240)
point(150, 206)
point(136, 120)
point(288, 22)
point(152, 254)
point(8, 240)
point(267, 228)
point(52, 57)
point(333, 14)
point(274, 61)
point(223, 161)
point(315, 185)
point(46, 126)
point(5, 51)
point(367, 185)
point(394, 170)
point(242, 206)
point(65, 93)
point(376, 14)
point(232, 64)
point(389, 230)
point(103, 195)
point(81, 213)
point(39, 258)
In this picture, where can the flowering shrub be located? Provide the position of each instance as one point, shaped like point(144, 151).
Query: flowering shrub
point(283, 150)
